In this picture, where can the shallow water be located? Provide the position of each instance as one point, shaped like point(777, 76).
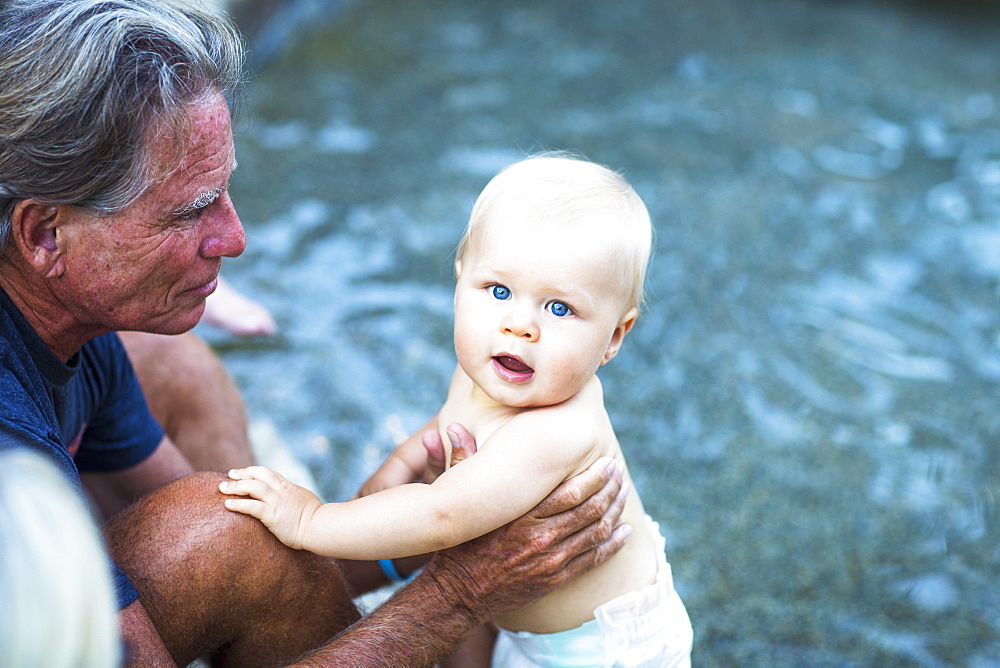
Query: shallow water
point(809, 404)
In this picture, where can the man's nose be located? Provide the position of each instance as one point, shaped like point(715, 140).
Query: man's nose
point(226, 237)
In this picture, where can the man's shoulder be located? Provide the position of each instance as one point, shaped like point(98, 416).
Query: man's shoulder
point(105, 347)
point(26, 415)
point(20, 380)
point(105, 365)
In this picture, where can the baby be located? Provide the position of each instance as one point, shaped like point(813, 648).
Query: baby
point(550, 278)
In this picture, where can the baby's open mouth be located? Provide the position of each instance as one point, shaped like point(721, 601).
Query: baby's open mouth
point(513, 364)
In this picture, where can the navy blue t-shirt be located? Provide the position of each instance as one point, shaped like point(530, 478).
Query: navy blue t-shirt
point(88, 414)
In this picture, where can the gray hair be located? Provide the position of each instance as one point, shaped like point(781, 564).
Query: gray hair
point(82, 82)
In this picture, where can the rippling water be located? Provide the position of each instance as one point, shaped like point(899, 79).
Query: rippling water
point(809, 405)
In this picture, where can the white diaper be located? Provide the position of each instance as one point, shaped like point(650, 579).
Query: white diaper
point(647, 627)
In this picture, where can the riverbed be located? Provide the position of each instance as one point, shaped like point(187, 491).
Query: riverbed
point(809, 403)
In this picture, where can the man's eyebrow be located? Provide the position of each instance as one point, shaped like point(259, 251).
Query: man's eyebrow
point(201, 202)
point(203, 199)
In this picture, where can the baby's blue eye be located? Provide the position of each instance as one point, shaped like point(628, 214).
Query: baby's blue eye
point(500, 292)
point(559, 309)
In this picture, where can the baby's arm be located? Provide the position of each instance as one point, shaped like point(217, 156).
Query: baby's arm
point(488, 490)
point(406, 463)
point(284, 507)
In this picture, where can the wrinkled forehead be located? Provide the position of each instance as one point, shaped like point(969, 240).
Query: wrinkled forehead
point(201, 133)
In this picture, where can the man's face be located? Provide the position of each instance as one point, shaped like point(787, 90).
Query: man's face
point(151, 266)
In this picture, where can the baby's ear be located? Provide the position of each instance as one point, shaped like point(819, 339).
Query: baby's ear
point(458, 269)
point(623, 328)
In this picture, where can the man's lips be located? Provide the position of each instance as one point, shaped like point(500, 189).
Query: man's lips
point(512, 369)
point(205, 289)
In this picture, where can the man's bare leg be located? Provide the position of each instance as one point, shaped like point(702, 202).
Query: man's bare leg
point(218, 583)
point(193, 397)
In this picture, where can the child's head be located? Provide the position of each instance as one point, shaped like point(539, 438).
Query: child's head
point(581, 196)
point(550, 275)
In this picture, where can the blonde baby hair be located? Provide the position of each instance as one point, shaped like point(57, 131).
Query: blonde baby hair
point(558, 188)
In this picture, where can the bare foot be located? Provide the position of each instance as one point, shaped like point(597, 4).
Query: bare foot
point(237, 314)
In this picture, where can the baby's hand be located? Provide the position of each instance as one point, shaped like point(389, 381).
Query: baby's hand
point(283, 507)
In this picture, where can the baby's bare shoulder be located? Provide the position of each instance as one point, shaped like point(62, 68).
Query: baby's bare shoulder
point(579, 425)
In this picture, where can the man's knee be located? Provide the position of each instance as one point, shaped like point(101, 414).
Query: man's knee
point(207, 576)
point(183, 526)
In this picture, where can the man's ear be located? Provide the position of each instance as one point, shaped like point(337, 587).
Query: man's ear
point(36, 235)
point(623, 328)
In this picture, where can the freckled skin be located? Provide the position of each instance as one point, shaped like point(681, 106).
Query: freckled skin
point(212, 582)
point(147, 268)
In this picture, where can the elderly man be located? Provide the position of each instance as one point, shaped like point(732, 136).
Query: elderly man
point(115, 158)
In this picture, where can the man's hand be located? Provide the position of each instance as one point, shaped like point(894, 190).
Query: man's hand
point(463, 446)
point(569, 532)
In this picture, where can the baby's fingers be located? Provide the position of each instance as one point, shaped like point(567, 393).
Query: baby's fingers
point(262, 473)
point(257, 489)
point(247, 507)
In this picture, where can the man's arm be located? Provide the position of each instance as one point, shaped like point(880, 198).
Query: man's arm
point(144, 646)
point(570, 532)
point(216, 581)
point(113, 491)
